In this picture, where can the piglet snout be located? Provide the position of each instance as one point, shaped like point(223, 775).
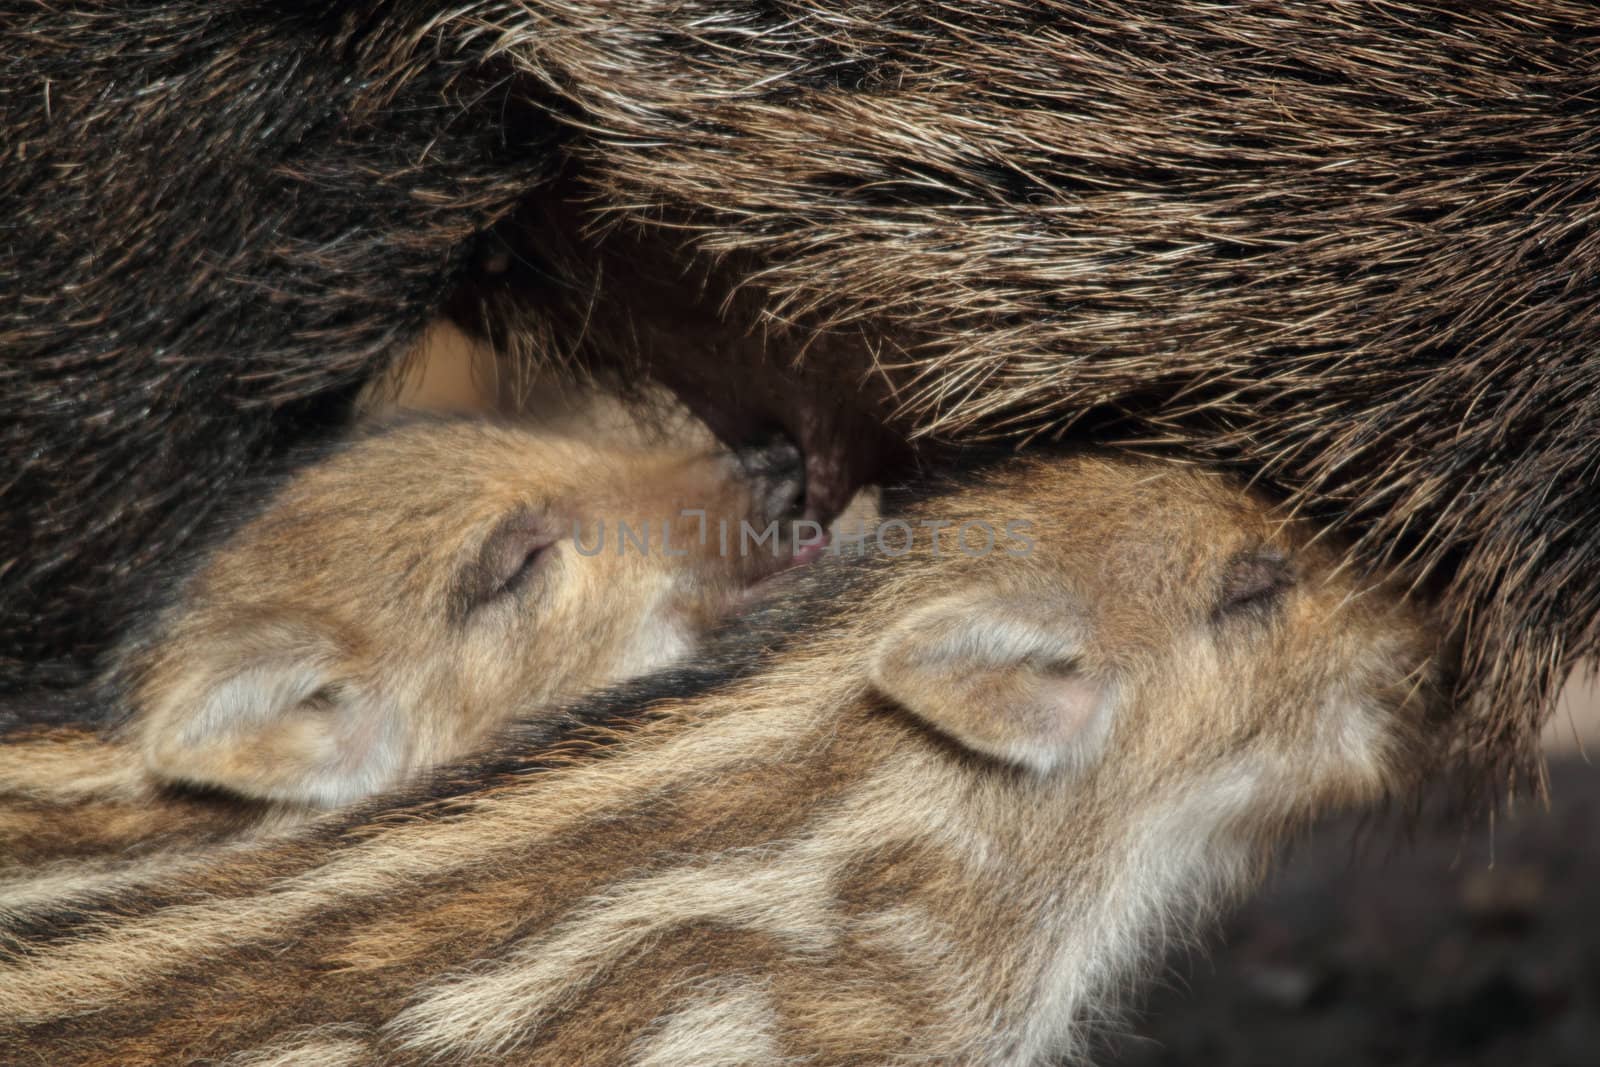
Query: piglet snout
point(776, 473)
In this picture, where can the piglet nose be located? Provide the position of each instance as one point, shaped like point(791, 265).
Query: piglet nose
point(775, 469)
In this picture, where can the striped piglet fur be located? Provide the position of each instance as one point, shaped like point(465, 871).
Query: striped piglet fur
point(379, 613)
point(940, 807)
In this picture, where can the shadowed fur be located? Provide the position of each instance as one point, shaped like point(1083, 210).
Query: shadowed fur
point(809, 847)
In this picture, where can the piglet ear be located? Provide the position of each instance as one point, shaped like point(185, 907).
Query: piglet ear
point(266, 711)
point(1004, 677)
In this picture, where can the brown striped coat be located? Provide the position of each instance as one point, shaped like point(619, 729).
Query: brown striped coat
point(929, 809)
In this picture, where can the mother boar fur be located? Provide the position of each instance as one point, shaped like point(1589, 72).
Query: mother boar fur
point(1350, 249)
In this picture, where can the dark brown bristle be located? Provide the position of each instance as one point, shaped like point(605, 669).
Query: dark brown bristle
point(1350, 250)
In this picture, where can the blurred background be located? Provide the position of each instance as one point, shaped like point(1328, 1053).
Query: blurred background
point(1446, 944)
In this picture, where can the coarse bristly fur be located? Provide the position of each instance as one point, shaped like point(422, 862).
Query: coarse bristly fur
point(936, 808)
point(1350, 248)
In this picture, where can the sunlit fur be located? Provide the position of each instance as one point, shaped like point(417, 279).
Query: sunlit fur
point(764, 859)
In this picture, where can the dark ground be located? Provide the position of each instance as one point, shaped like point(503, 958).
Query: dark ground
point(1420, 948)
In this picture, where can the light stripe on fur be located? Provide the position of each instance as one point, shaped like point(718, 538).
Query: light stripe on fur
point(777, 861)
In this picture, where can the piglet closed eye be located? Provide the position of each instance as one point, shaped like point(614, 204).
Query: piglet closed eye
point(1256, 578)
point(507, 561)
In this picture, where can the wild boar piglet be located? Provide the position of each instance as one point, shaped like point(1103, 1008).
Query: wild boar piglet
point(392, 603)
point(937, 804)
